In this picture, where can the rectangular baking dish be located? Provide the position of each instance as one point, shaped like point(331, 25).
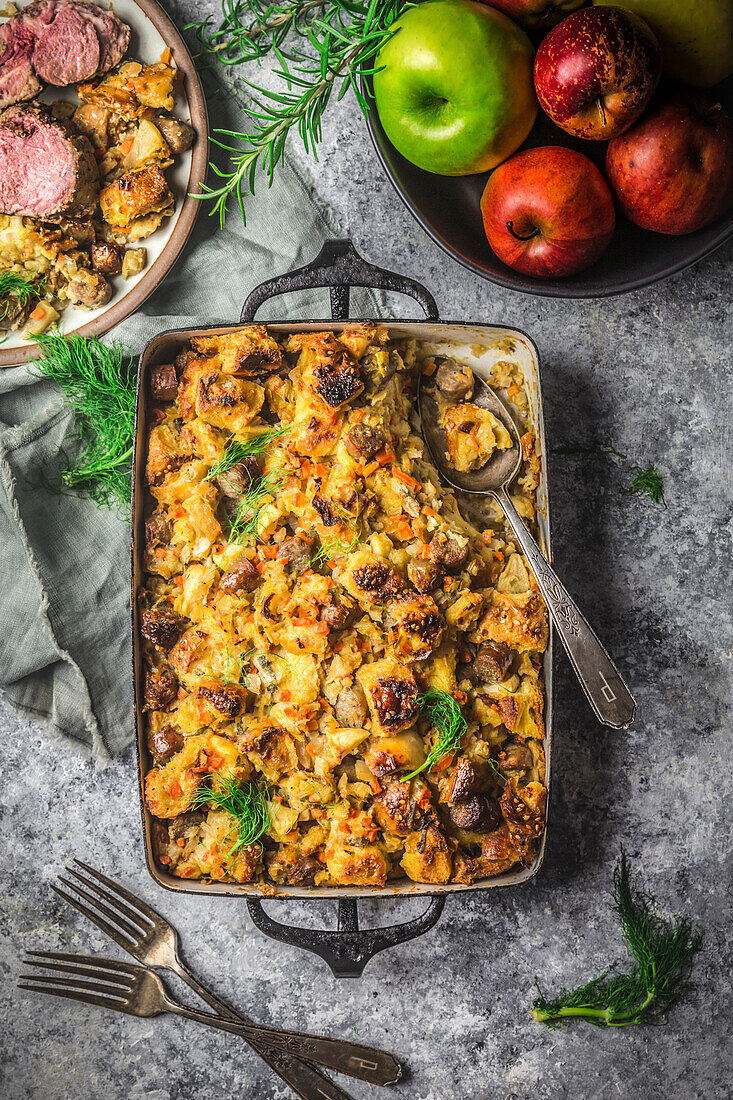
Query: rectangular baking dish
point(480, 345)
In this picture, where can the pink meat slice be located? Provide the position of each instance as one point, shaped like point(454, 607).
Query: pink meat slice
point(39, 164)
point(17, 79)
point(67, 49)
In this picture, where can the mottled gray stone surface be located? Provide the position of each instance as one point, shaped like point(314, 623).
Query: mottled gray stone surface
point(651, 373)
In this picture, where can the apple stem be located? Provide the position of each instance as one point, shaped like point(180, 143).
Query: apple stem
point(518, 236)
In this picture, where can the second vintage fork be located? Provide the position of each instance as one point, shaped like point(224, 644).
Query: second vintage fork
point(137, 991)
point(152, 940)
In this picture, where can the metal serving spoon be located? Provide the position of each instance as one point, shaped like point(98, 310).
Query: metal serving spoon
point(608, 695)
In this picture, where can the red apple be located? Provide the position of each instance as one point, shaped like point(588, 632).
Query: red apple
point(536, 15)
point(673, 171)
point(595, 73)
point(547, 212)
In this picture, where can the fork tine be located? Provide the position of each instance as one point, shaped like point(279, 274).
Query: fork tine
point(133, 916)
point(113, 933)
point(134, 900)
point(101, 972)
point(76, 983)
point(85, 960)
point(135, 934)
point(87, 998)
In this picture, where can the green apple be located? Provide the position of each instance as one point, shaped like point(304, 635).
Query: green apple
point(696, 36)
point(454, 92)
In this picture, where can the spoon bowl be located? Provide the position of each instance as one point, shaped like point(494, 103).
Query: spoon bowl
point(502, 467)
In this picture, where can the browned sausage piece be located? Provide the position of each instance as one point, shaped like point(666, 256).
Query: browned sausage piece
point(157, 530)
point(363, 441)
point(295, 552)
point(447, 551)
point(474, 813)
point(179, 135)
point(164, 383)
point(162, 626)
point(454, 381)
point(161, 686)
point(88, 288)
point(181, 824)
point(164, 743)
point(515, 756)
point(492, 661)
point(237, 480)
point(242, 578)
point(423, 575)
point(302, 871)
point(351, 707)
point(106, 258)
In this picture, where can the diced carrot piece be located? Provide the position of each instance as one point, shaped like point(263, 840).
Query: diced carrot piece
point(127, 145)
point(175, 789)
point(429, 367)
point(406, 479)
point(166, 55)
point(182, 694)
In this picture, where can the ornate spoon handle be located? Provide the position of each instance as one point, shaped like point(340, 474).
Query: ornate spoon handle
point(608, 695)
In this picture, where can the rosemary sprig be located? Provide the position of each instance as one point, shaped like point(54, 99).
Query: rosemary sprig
point(662, 950)
point(446, 715)
point(332, 50)
point(98, 382)
point(250, 29)
point(248, 805)
point(237, 451)
point(13, 285)
point(647, 481)
point(251, 505)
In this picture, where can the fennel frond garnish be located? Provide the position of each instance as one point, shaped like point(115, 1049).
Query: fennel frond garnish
point(237, 451)
point(649, 482)
point(13, 285)
point(447, 717)
point(662, 950)
point(333, 45)
point(594, 449)
point(251, 505)
point(248, 804)
point(98, 381)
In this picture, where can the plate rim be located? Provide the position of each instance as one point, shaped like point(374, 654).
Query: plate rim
point(540, 290)
point(185, 219)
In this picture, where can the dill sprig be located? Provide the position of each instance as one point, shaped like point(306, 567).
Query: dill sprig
point(662, 950)
point(333, 546)
point(333, 48)
point(98, 382)
point(13, 285)
point(237, 451)
point(248, 805)
point(251, 505)
point(649, 482)
point(447, 717)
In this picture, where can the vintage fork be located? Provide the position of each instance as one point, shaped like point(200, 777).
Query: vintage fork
point(134, 989)
point(146, 935)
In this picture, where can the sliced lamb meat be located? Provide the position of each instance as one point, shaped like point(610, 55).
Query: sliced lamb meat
point(59, 42)
point(46, 168)
point(17, 79)
point(67, 47)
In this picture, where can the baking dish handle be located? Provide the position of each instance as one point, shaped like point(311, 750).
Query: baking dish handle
point(339, 267)
point(349, 949)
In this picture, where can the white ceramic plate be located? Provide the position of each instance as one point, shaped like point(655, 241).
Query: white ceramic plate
point(152, 32)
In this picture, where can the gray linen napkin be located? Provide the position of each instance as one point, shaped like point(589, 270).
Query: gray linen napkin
point(64, 563)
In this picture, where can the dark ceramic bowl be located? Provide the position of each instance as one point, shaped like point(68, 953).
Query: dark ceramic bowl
point(447, 207)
